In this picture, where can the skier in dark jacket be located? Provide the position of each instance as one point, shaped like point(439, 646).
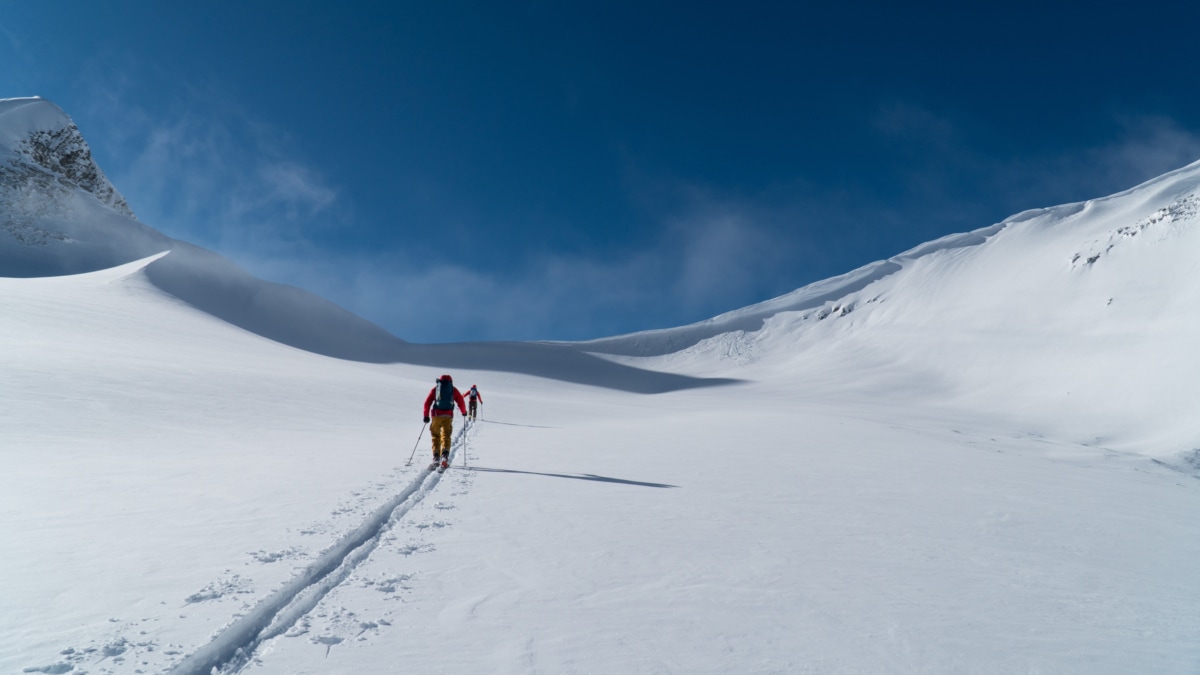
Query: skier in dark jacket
point(440, 404)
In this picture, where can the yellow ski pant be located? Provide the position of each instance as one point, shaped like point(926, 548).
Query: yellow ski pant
point(441, 428)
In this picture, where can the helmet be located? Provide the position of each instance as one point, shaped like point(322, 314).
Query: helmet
point(446, 378)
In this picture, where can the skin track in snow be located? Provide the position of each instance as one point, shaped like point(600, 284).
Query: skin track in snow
point(235, 646)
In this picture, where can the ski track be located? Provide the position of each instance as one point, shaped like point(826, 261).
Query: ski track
point(235, 645)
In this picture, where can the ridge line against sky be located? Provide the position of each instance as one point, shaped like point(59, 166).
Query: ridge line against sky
point(465, 172)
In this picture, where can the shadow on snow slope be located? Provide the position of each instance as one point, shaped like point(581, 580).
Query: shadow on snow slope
point(299, 319)
point(583, 476)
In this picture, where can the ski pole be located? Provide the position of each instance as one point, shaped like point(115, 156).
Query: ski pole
point(414, 452)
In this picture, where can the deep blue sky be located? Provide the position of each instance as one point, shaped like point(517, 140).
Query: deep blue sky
point(557, 170)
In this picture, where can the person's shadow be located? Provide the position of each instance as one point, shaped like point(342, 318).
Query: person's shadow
point(584, 476)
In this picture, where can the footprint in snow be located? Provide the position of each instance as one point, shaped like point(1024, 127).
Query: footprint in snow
point(390, 585)
point(219, 589)
point(415, 548)
point(328, 641)
point(275, 556)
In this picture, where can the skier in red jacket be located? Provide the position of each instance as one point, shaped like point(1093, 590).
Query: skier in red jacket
point(440, 403)
point(474, 400)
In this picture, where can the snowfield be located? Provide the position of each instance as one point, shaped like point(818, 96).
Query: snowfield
point(980, 456)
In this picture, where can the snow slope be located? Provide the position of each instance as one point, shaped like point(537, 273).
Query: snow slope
point(961, 460)
point(1076, 321)
point(167, 473)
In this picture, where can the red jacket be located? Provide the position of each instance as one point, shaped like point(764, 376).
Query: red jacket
point(474, 394)
point(458, 398)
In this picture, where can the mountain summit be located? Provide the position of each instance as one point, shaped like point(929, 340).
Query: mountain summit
point(39, 135)
point(59, 214)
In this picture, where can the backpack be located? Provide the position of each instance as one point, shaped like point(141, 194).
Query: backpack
point(443, 398)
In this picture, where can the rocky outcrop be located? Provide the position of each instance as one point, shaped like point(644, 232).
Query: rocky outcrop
point(65, 154)
point(59, 214)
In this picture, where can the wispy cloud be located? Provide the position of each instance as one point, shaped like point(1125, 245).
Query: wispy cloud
point(201, 168)
point(703, 263)
point(951, 163)
point(905, 122)
point(214, 178)
point(22, 72)
point(13, 41)
point(727, 251)
point(298, 190)
point(1147, 146)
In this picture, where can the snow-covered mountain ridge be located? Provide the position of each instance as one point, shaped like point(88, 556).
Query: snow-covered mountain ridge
point(1166, 200)
point(1073, 321)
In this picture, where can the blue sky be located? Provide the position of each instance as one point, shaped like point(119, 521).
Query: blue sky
point(557, 170)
